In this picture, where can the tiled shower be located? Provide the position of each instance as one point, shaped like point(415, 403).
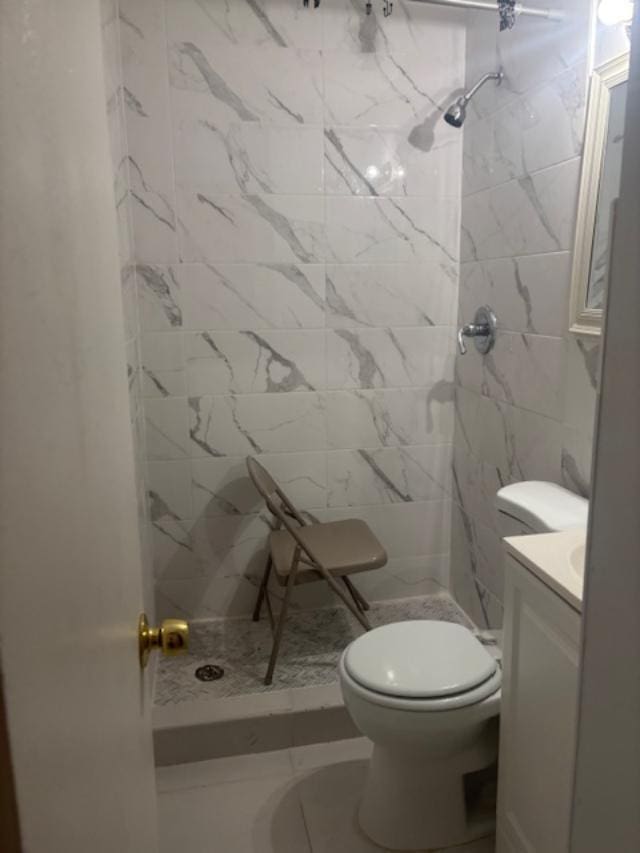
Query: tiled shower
point(306, 232)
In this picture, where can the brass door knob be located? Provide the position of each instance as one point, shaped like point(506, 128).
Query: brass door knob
point(172, 638)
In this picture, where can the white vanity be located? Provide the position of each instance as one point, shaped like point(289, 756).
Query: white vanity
point(543, 601)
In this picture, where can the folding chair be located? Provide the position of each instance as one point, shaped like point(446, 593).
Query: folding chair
point(301, 551)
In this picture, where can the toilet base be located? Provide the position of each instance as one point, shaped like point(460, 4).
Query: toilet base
point(404, 807)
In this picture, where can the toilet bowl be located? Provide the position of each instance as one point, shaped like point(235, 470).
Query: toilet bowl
point(427, 694)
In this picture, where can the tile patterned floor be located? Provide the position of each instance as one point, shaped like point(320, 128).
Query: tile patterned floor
point(311, 646)
point(301, 800)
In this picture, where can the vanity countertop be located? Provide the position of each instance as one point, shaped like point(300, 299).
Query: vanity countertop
point(556, 558)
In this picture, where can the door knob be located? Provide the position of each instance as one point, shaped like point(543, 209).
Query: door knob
point(172, 638)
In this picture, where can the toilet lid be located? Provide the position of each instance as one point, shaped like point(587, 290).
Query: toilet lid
point(420, 659)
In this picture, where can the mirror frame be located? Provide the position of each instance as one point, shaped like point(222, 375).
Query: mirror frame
point(585, 320)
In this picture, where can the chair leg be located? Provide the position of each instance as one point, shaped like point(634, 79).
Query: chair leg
point(277, 637)
point(263, 589)
point(362, 619)
point(358, 597)
point(351, 592)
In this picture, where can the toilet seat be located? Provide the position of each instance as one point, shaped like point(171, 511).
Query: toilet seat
point(422, 665)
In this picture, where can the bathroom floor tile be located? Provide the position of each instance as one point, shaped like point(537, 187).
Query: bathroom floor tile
point(249, 816)
point(235, 768)
point(299, 800)
point(330, 795)
point(305, 758)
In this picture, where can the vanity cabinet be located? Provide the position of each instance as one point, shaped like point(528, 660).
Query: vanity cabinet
point(538, 716)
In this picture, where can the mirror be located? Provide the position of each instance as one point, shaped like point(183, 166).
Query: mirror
point(599, 187)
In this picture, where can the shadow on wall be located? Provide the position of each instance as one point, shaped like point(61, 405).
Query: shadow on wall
point(222, 554)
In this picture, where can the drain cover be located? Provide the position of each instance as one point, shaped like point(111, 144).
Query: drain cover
point(209, 672)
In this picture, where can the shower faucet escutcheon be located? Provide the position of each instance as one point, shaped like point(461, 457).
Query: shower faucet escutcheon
point(482, 330)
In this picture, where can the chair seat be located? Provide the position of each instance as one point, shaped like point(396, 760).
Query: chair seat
point(343, 548)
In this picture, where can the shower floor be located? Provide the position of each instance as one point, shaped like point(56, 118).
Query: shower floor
point(311, 646)
point(238, 714)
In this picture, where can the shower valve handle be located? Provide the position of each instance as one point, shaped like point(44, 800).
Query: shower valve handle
point(471, 330)
point(483, 330)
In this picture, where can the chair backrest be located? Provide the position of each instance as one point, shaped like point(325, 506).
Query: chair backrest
point(281, 508)
point(277, 502)
point(261, 478)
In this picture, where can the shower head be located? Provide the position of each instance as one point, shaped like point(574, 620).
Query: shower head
point(457, 112)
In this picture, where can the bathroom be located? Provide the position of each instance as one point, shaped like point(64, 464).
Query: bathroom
point(279, 221)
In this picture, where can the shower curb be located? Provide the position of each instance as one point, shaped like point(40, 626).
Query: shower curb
point(251, 723)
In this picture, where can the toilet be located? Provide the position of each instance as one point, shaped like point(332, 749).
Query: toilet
point(427, 694)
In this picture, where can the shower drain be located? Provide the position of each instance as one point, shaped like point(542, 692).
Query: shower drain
point(209, 672)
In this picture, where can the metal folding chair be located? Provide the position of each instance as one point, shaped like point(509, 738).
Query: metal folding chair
point(300, 552)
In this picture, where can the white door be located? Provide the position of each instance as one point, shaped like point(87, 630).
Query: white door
point(70, 577)
point(606, 814)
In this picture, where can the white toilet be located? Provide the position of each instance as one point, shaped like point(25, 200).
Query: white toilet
point(427, 694)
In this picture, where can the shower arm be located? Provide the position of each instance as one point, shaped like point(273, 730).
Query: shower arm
point(483, 5)
point(493, 75)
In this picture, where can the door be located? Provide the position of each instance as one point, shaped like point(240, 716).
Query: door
point(77, 705)
point(607, 784)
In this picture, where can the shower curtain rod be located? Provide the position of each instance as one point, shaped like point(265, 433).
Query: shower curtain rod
point(548, 14)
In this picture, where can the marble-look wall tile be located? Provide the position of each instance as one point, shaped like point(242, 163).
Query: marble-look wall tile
point(391, 475)
point(468, 568)
point(379, 89)
point(530, 133)
point(389, 358)
point(530, 215)
point(389, 294)
point(406, 529)
point(258, 228)
point(526, 371)
point(348, 29)
point(224, 85)
point(515, 443)
point(254, 362)
point(248, 157)
point(531, 54)
point(406, 577)
point(577, 458)
point(390, 418)
point(163, 365)
point(170, 486)
point(167, 421)
point(379, 161)
point(252, 296)
point(525, 411)
point(222, 486)
point(256, 423)
point(390, 230)
point(256, 23)
point(219, 547)
point(159, 297)
point(146, 99)
point(583, 373)
point(528, 294)
point(297, 251)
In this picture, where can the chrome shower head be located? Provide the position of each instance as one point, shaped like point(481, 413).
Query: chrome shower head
point(457, 112)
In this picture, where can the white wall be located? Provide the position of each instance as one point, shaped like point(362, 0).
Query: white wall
point(296, 227)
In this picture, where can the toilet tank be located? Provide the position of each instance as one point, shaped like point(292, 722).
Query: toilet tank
point(534, 506)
